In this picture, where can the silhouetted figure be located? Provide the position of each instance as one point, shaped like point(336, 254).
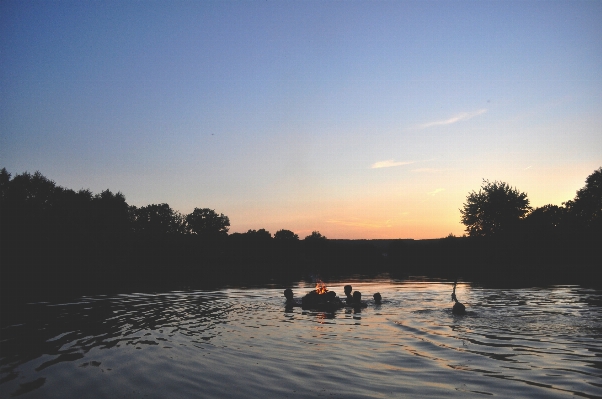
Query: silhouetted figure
point(459, 307)
point(348, 297)
point(290, 301)
point(377, 298)
point(357, 300)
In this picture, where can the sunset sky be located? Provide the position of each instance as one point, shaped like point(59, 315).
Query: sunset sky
point(357, 119)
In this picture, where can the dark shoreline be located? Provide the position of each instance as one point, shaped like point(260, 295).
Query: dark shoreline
point(164, 263)
point(55, 242)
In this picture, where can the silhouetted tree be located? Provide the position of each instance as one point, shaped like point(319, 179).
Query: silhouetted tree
point(586, 208)
point(4, 190)
point(4, 180)
point(157, 219)
point(316, 248)
point(261, 234)
point(285, 235)
point(28, 204)
point(34, 192)
point(545, 219)
point(496, 208)
point(288, 247)
point(207, 222)
point(315, 236)
point(111, 213)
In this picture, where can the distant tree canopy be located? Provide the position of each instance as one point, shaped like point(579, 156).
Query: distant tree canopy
point(261, 234)
point(157, 219)
point(207, 222)
point(545, 218)
point(285, 235)
point(34, 204)
point(496, 208)
point(315, 236)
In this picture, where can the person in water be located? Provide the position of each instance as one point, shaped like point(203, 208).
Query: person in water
point(377, 298)
point(290, 301)
point(357, 300)
point(458, 307)
point(348, 297)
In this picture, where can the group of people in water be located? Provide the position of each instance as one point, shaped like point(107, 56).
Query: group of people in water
point(329, 301)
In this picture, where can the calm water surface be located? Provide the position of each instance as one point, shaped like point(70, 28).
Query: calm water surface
point(230, 343)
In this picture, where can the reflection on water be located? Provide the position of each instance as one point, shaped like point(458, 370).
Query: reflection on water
point(537, 342)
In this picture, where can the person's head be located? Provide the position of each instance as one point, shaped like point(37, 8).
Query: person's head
point(348, 290)
point(377, 298)
point(331, 295)
point(357, 296)
point(288, 293)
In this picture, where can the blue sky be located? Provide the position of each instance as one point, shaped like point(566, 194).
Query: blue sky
point(357, 119)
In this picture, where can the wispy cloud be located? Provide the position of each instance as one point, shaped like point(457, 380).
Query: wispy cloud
point(390, 163)
point(437, 191)
point(464, 116)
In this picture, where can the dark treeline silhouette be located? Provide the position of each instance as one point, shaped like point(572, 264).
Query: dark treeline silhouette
point(54, 240)
point(508, 242)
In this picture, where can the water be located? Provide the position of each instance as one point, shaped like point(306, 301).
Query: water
point(535, 342)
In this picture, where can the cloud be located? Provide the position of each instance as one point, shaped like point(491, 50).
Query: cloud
point(437, 191)
point(389, 163)
point(464, 116)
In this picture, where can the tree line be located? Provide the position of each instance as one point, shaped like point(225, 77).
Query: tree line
point(54, 239)
point(508, 241)
point(498, 209)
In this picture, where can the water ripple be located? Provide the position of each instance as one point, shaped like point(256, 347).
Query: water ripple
point(536, 342)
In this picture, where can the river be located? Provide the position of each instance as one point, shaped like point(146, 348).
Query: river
point(241, 342)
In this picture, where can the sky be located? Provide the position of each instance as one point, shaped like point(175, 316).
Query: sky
point(357, 119)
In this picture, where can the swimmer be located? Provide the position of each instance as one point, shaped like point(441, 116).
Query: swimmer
point(458, 307)
point(290, 301)
point(348, 297)
point(357, 300)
